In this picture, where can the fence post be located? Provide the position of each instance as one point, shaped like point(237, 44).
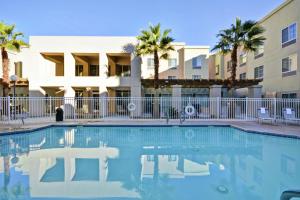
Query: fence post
point(8, 107)
point(246, 109)
point(275, 107)
point(218, 107)
point(50, 105)
point(102, 100)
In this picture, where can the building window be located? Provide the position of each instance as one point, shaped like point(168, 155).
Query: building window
point(18, 69)
point(289, 35)
point(289, 64)
point(172, 63)
point(243, 59)
point(150, 63)
point(78, 70)
point(122, 70)
point(217, 69)
point(259, 52)
point(196, 77)
point(243, 76)
point(289, 96)
point(94, 70)
point(259, 72)
point(229, 66)
point(171, 77)
point(197, 62)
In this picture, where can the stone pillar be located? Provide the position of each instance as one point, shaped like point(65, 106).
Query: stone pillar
point(255, 91)
point(215, 94)
point(176, 97)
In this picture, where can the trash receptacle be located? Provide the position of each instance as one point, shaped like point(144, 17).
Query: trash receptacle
point(59, 115)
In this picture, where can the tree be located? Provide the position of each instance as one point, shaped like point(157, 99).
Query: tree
point(156, 42)
point(246, 35)
point(9, 41)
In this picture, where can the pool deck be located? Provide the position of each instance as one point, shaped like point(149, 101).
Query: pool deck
point(279, 129)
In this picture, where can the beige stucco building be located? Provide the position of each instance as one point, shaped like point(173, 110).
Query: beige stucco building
point(277, 61)
point(100, 66)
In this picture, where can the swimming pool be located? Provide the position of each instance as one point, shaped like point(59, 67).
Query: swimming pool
point(150, 163)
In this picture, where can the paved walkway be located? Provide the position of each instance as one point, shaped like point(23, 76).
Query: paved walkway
point(281, 129)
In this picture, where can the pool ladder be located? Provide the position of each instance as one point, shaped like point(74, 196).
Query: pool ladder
point(167, 117)
point(289, 194)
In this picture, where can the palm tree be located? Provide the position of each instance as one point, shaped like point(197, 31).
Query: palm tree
point(156, 42)
point(9, 40)
point(246, 35)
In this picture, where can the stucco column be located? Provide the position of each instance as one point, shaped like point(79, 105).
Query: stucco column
point(103, 100)
point(215, 94)
point(135, 85)
point(69, 103)
point(176, 97)
point(135, 71)
point(215, 91)
point(255, 91)
point(69, 66)
point(103, 65)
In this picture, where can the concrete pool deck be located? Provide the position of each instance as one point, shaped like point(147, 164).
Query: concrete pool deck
point(279, 129)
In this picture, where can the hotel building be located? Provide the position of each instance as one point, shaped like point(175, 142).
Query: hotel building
point(74, 66)
point(277, 61)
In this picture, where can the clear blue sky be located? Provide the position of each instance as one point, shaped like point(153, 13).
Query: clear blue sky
point(195, 22)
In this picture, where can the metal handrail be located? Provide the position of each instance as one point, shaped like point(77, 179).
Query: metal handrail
point(167, 117)
point(182, 117)
point(289, 194)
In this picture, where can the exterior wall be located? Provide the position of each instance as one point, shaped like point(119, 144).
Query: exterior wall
point(164, 69)
point(191, 52)
point(41, 69)
point(21, 90)
point(273, 81)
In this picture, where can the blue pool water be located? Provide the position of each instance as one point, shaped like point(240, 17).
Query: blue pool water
point(149, 163)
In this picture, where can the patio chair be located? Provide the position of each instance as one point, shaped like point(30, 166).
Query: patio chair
point(263, 115)
point(289, 115)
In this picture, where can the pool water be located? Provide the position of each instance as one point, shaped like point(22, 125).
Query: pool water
point(150, 163)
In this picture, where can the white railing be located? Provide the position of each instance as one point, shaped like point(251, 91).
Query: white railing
point(43, 109)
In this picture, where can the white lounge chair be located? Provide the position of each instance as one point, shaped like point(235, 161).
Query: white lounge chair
point(264, 115)
point(289, 115)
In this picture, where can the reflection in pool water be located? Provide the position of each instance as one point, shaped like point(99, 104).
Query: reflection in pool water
point(147, 163)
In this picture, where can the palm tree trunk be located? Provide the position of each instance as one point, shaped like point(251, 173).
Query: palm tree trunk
point(156, 68)
point(231, 107)
point(5, 70)
point(156, 86)
point(234, 64)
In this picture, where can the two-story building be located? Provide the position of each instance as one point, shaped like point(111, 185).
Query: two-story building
point(82, 66)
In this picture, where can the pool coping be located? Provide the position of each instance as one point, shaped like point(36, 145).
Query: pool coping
point(29, 130)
